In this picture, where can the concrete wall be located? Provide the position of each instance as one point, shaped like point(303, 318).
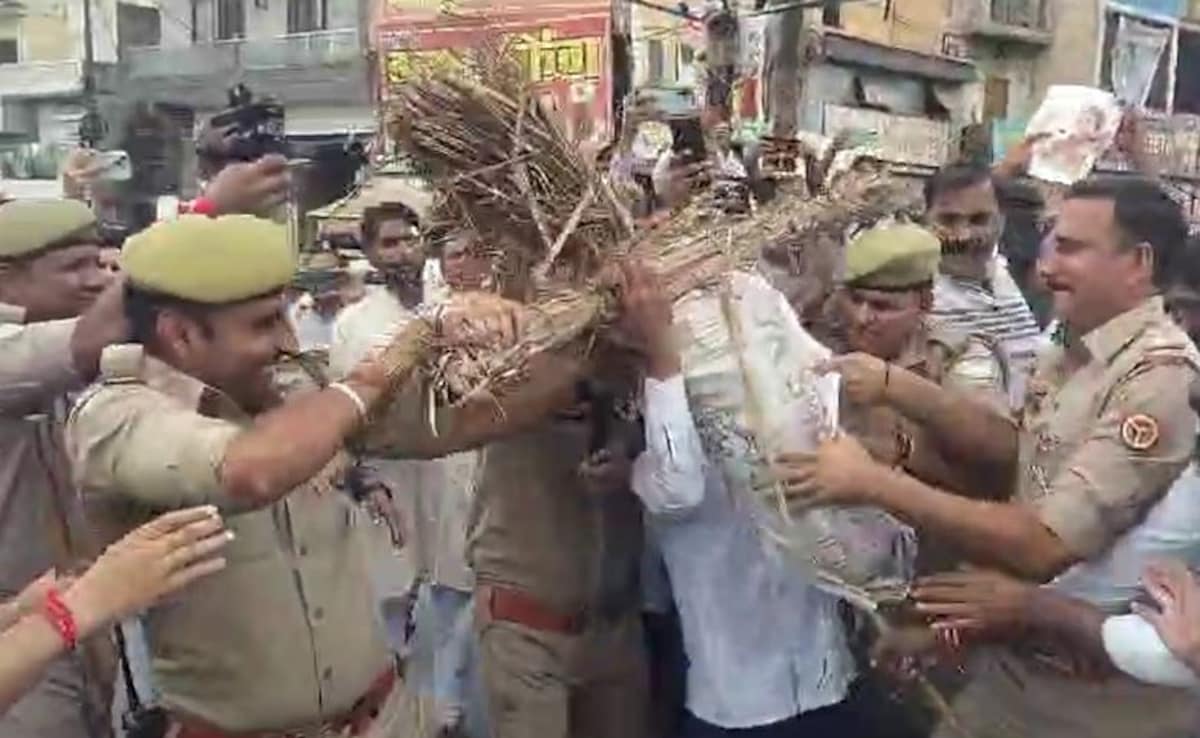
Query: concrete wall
point(911, 24)
point(52, 30)
point(1071, 59)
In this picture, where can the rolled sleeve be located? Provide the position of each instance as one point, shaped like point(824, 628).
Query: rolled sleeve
point(981, 373)
point(669, 475)
point(1106, 486)
point(131, 442)
point(36, 364)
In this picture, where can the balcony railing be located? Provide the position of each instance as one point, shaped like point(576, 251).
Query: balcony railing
point(296, 51)
point(1021, 21)
point(40, 79)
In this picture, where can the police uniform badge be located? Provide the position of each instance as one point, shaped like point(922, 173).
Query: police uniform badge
point(1139, 432)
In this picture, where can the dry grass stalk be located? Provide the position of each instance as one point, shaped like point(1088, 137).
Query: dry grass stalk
point(507, 171)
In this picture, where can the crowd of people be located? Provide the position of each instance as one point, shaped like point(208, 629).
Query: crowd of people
point(1017, 385)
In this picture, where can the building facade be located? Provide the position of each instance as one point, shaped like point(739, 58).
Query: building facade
point(871, 68)
point(42, 84)
point(311, 56)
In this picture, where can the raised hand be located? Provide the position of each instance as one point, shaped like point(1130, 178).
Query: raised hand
point(155, 560)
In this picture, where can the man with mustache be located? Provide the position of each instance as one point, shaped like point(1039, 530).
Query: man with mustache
point(1105, 432)
point(1079, 610)
point(975, 293)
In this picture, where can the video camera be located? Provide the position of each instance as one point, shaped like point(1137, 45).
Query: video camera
point(112, 233)
point(258, 127)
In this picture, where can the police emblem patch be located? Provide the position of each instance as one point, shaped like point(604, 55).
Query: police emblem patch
point(1139, 432)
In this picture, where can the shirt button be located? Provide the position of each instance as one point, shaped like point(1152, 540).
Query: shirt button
point(328, 673)
point(318, 613)
point(304, 550)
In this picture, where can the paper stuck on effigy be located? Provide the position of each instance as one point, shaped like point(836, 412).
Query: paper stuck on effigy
point(756, 391)
point(1082, 123)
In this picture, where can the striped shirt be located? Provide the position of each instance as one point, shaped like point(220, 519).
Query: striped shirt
point(998, 311)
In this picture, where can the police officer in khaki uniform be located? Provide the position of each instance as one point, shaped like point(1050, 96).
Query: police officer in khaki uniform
point(49, 276)
point(554, 541)
point(286, 639)
point(884, 307)
point(1105, 431)
point(556, 559)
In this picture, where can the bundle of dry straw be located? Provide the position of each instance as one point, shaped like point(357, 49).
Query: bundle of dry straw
point(506, 170)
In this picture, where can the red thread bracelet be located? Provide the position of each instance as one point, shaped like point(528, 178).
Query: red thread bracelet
point(204, 206)
point(61, 617)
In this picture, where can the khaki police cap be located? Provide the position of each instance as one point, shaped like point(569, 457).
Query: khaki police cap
point(893, 257)
point(210, 260)
point(29, 226)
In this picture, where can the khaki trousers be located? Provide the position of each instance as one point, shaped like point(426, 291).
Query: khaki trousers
point(397, 719)
point(553, 685)
point(1009, 697)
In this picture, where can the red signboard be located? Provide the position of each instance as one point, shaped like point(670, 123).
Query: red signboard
point(562, 46)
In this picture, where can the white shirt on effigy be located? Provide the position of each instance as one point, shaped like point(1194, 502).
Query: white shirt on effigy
point(999, 311)
point(763, 643)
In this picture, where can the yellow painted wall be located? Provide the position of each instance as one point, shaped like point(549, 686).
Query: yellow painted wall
point(911, 24)
point(46, 38)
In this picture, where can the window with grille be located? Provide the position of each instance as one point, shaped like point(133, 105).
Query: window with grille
point(831, 13)
point(1022, 13)
point(654, 60)
point(138, 26)
point(231, 19)
point(304, 16)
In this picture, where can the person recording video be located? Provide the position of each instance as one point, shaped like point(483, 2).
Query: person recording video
point(242, 159)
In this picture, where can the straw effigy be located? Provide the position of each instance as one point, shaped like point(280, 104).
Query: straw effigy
point(507, 172)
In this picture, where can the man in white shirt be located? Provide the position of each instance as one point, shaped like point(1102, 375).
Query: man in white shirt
point(435, 496)
point(765, 648)
point(975, 293)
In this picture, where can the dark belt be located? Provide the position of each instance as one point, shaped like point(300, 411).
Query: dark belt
point(358, 718)
point(514, 606)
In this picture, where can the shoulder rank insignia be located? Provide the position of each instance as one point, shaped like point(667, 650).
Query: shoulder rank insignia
point(1139, 432)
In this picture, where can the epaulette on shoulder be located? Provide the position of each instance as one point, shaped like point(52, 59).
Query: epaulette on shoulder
point(121, 364)
point(93, 391)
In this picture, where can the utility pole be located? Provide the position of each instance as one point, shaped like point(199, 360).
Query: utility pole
point(785, 66)
point(91, 125)
point(89, 51)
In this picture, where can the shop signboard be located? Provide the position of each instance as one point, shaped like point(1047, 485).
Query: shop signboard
point(902, 139)
point(562, 48)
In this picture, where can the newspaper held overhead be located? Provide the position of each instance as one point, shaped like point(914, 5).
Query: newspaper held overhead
point(1082, 123)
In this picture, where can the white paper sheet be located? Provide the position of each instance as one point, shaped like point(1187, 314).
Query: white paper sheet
point(1082, 123)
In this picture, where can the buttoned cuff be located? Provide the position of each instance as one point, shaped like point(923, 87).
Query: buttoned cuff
point(666, 395)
